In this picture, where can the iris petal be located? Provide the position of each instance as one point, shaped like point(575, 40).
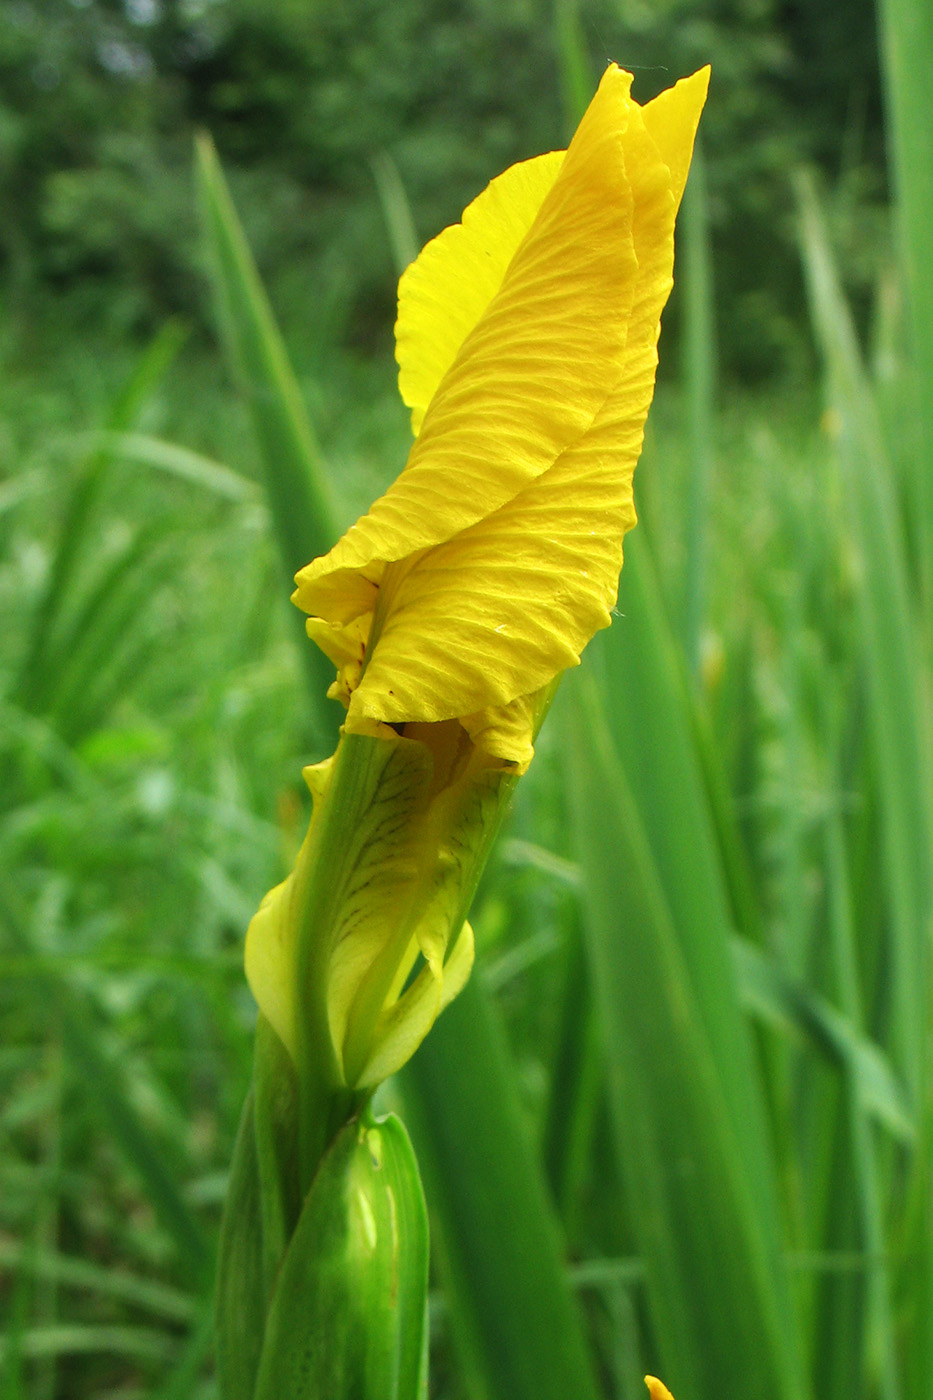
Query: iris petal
point(498, 610)
point(447, 288)
point(528, 379)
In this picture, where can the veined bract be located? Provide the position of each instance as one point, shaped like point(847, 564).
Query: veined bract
point(527, 344)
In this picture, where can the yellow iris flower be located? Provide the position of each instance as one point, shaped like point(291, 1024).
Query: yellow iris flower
point(527, 344)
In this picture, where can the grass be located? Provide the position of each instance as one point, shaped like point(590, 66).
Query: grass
point(694, 1048)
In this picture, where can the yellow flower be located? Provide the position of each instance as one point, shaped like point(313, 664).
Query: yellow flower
point(658, 1389)
point(527, 344)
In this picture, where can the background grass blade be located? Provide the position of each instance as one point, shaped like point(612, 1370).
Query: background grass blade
point(512, 1317)
point(906, 28)
point(907, 50)
point(699, 372)
point(37, 677)
point(899, 734)
point(693, 1205)
point(101, 1081)
point(654, 733)
point(890, 629)
point(576, 80)
point(400, 226)
point(299, 493)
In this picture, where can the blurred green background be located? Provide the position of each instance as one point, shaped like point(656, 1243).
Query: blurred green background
point(681, 1118)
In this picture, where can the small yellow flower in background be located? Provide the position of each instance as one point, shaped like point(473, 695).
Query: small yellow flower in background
point(658, 1389)
point(527, 345)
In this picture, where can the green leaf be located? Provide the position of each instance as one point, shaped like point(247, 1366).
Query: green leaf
point(654, 735)
point(242, 1296)
point(894, 647)
point(696, 280)
point(906, 30)
point(347, 1320)
point(513, 1319)
point(891, 640)
point(298, 491)
point(275, 1109)
point(701, 1226)
point(784, 1001)
point(102, 1080)
point(37, 678)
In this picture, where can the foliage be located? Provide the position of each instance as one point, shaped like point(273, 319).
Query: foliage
point(100, 102)
point(767, 795)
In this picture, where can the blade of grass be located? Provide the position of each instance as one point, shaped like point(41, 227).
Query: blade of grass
point(889, 629)
point(100, 1079)
point(907, 50)
point(396, 211)
point(652, 727)
point(882, 1366)
point(297, 488)
point(576, 1086)
point(900, 739)
point(788, 1004)
point(180, 1381)
point(512, 1315)
point(181, 462)
point(696, 281)
point(73, 1339)
point(78, 516)
point(716, 1290)
point(68, 1272)
point(576, 81)
point(100, 622)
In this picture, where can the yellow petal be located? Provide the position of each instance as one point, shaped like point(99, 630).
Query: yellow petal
point(671, 120)
point(273, 930)
point(496, 612)
point(447, 288)
point(404, 1024)
point(529, 378)
point(658, 1389)
point(345, 647)
point(500, 609)
point(269, 963)
point(506, 731)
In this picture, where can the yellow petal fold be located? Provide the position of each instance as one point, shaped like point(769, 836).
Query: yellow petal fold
point(527, 343)
point(672, 119)
point(445, 291)
point(658, 1390)
point(506, 604)
point(399, 834)
point(405, 1022)
point(528, 379)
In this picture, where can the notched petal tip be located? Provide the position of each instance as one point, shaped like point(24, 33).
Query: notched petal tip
point(672, 119)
